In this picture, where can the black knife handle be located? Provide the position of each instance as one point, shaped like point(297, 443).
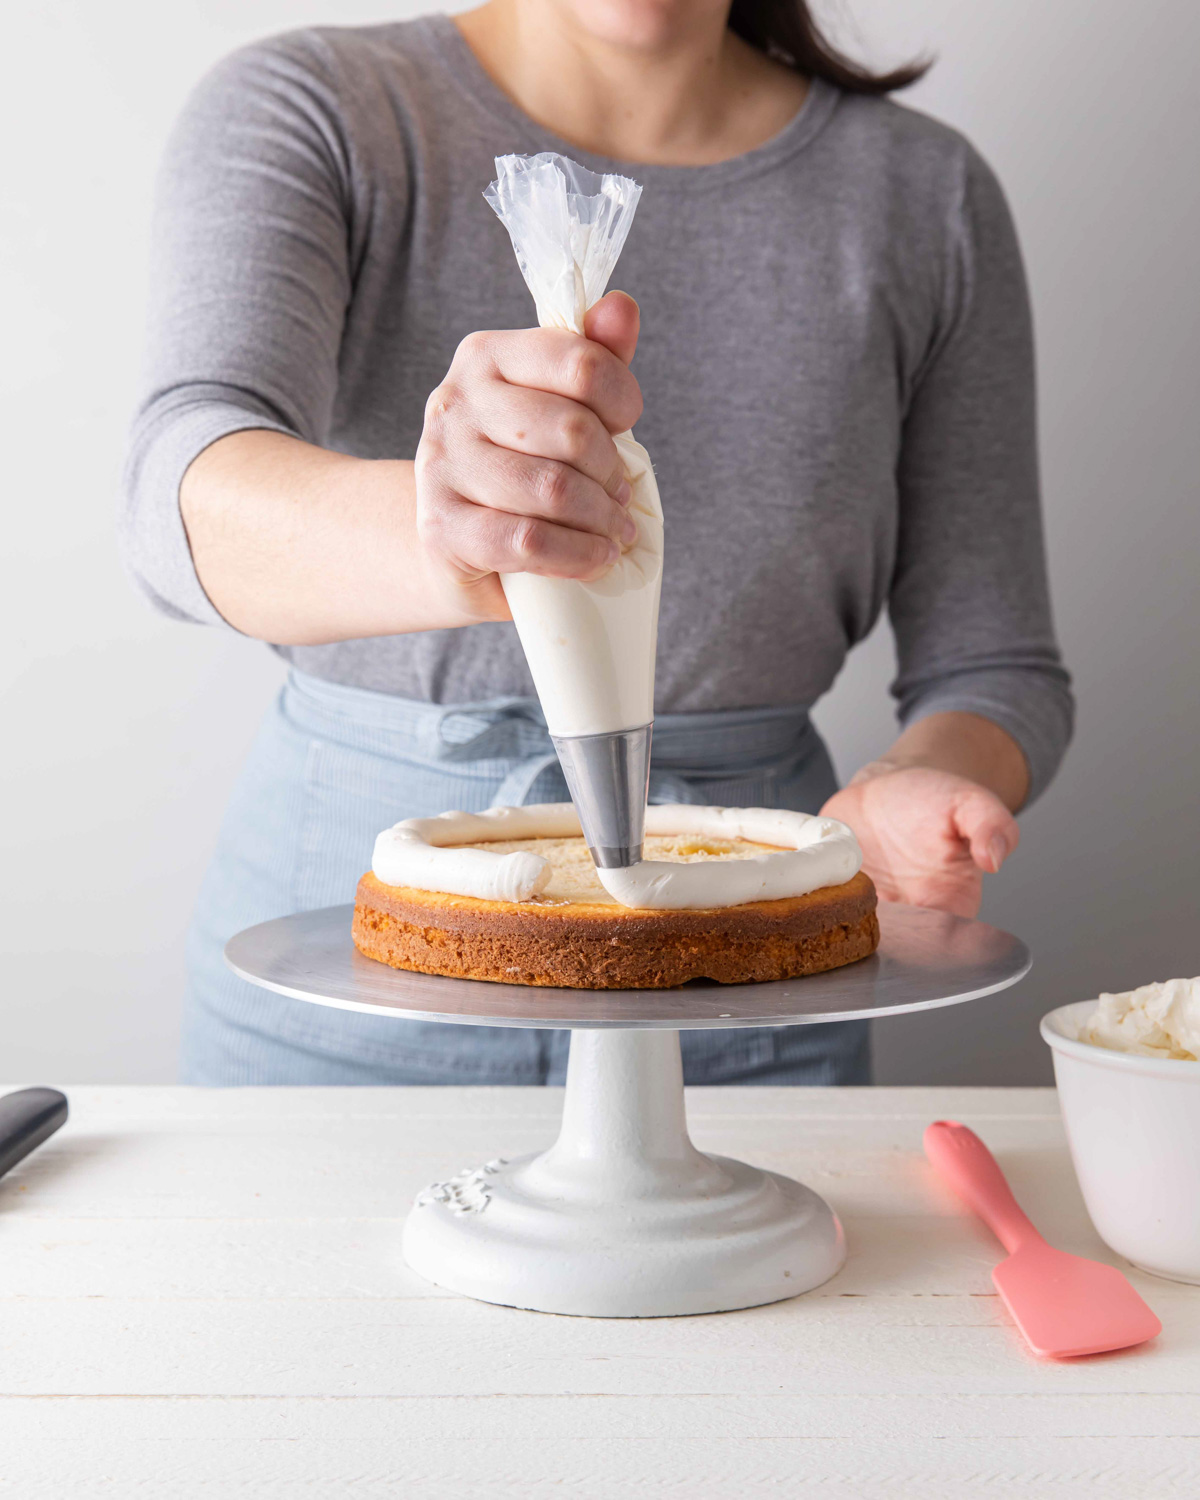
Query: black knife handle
point(27, 1118)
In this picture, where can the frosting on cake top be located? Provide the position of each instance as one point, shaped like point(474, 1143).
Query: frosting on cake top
point(710, 856)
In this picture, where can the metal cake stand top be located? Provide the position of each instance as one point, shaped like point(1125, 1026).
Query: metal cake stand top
point(925, 959)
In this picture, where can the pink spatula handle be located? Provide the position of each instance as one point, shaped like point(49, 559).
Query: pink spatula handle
point(970, 1168)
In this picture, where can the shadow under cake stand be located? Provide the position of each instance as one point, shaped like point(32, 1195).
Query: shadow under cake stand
point(623, 1216)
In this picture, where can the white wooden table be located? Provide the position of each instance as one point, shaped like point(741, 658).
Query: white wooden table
point(201, 1295)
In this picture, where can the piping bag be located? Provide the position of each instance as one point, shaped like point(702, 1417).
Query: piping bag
point(590, 646)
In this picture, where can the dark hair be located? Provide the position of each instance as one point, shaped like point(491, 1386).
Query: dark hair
point(786, 29)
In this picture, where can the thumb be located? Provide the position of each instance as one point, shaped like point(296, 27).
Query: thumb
point(987, 826)
point(614, 322)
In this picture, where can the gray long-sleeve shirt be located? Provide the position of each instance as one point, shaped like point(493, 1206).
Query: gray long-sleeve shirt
point(836, 359)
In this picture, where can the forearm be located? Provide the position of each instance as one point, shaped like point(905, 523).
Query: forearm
point(300, 546)
point(966, 745)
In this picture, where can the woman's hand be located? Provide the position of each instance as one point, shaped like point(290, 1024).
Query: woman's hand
point(927, 835)
point(517, 471)
point(934, 814)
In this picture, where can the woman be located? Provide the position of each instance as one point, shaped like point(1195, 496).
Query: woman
point(838, 393)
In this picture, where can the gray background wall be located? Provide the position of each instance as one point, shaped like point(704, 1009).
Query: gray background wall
point(122, 733)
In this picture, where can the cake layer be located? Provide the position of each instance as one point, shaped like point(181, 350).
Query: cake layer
point(587, 943)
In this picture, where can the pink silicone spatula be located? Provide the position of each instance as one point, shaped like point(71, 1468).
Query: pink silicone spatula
point(1063, 1304)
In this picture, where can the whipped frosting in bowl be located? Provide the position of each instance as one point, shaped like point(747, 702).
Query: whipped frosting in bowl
point(1155, 1020)
point(1129, 1090)
point(735, 855)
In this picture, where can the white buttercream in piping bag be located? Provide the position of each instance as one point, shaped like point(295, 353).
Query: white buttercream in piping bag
point(590, 646)
point(806, 855)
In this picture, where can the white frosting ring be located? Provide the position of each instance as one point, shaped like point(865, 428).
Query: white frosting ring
point(414, 852)
point(812, 853)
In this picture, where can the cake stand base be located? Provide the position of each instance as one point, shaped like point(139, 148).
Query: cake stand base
point(622, 1217)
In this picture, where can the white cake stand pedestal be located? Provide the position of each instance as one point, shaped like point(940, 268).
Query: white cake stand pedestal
point(622, 1216)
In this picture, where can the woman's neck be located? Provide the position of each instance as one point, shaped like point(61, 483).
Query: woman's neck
point(687, 94)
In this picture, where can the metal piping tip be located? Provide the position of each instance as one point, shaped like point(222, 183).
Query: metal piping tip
point(608, 776)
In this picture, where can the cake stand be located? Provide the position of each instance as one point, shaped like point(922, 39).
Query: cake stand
point(623, 1216)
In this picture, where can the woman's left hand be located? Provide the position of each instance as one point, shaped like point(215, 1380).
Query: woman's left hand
point(927, 835)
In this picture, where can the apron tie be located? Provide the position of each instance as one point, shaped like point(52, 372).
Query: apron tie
point(696, 757)
point(514, 790)
point(515, 732)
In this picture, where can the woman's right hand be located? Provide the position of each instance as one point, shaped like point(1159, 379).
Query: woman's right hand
point(517, 471)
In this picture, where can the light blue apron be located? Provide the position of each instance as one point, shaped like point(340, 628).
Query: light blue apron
point(333, 765)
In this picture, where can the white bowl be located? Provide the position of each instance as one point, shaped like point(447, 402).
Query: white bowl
point(1133, 1126)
